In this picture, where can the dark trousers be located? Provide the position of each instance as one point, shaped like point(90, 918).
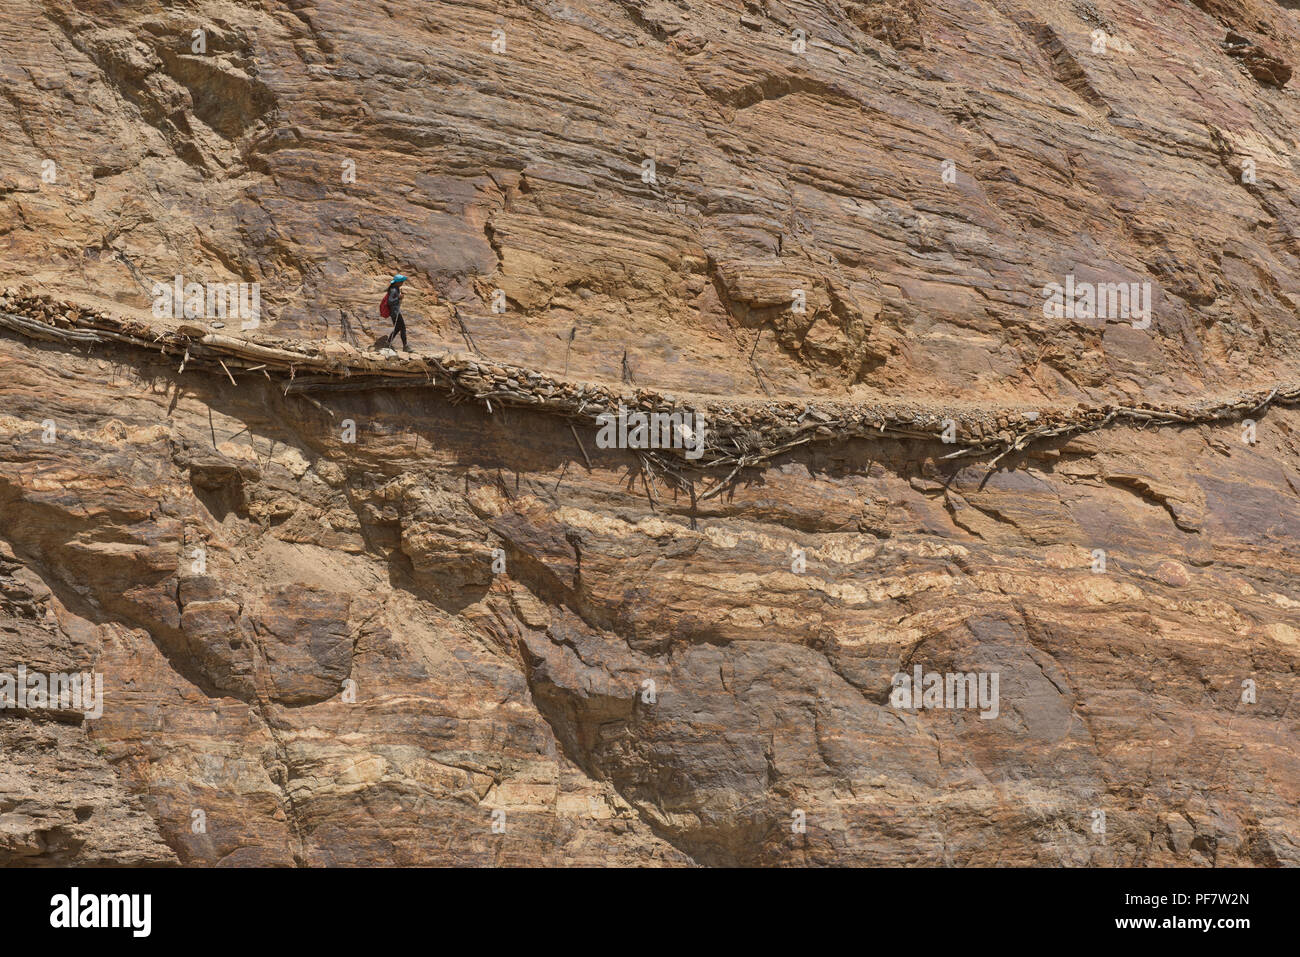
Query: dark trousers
point(398, 327)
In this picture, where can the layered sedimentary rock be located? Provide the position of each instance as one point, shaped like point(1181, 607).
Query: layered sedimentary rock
point(385, 624)
point(340, 651)
point(317, 148)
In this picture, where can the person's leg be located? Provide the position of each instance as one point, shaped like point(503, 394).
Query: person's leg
point(401, 327)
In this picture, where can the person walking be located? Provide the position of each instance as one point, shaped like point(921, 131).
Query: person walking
point(391, 307)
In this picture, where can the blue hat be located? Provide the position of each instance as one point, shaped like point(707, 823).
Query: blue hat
point(399, 278)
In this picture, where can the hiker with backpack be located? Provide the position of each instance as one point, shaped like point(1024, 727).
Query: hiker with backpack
point(390, 307)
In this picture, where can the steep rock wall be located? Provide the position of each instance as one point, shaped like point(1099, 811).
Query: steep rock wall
point(522, 688)
point(462, 638)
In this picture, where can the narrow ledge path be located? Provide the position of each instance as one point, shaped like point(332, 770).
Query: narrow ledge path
point(738, 433)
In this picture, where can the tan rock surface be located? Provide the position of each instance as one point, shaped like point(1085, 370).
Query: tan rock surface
point(308, 656)
point(1106, 140)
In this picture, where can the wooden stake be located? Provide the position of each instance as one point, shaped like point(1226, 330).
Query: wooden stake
point(580, 447)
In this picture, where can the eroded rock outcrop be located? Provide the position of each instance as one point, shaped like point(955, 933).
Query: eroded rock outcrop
point(920, 173)
point(348, 673)
point(405, 610)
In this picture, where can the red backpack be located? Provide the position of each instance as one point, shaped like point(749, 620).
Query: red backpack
point(383, 306)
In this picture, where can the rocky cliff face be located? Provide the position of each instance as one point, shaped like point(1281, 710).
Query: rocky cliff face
point(384, 621)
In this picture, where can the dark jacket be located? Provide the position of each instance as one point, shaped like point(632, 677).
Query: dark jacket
point(395, 299)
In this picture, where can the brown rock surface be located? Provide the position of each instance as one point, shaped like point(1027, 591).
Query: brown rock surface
point(310, 649)
point(1100, 139)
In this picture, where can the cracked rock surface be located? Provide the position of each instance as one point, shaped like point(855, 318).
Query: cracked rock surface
point(345, 679)
point(463, 639)
point(317, 147)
